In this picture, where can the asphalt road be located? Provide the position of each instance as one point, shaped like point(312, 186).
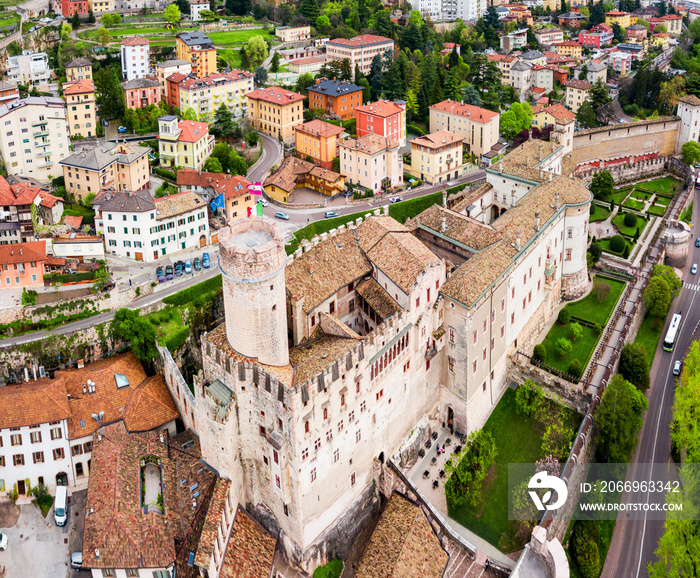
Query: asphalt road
point(635, 541)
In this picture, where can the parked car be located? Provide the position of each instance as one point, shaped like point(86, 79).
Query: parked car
point(159, 272)
point(197, 264)
point(348, 194)
point(76, 561)
point(694, 268)
point(677, 367)
point(205, 260)
point(188, 266)
point(3, 542)
point(123, 129)
point(697, 242)
point(396, 199)
point(263, 202)
point(60, 504)
point(168, 272)
point(178, 269)
point(281, 215)
point(331, 214)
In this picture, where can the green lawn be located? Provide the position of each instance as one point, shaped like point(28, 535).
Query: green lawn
point(667, 185)
point(582, 348)
point(594, 311)
point(632, 204)
point(649, 334)
point(602, 212)
point(661, 200)
point(490, 519)
point(620, 194)
point(131, 31)
point(605, 244)
point(232, 37)
point(76, 210)
point(619, 222)
point(641, 195)
point(658, 210)
point(230, 55)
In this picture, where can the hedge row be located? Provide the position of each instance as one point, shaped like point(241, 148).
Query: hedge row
point(69, 277)
point(188, 295)
point(166, 174)
point(177, 339)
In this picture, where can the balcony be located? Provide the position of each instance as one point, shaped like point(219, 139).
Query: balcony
point(431, 352)
point(40, 134)
point(48, 163)
point(40, 123)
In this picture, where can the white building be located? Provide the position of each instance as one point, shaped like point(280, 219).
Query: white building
point(689, 111)
point(196, 8)
point(137, 226)
point(29, 68)
point(134, 57)
point(450, 10)
point(34, 136)
point(80, 247)
point(371, 161)
point(521, 77)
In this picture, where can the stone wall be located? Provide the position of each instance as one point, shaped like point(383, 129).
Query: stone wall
point(628, 171)
point(677, 241)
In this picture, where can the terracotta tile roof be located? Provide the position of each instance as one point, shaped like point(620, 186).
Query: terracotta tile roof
point(616, 13)
point(73, 222)
point(292, 168)
point(311, 357)
point(215, 79)
point(250, 550)
point(461, 228)
point(567, 43)
point(192, 131)
point(275, 95)
point(403, 545)
point(560, 112)
point(325, 268)
point(690, 99)
point(230, 185)
point(370, 144)
point(331, 325)
point(381, 108)
point(150, 406)
point(78, 87)
point(212, 519)
point(173, 205)
point(176, 77)
point(578, 84)
point(319, 128)
point(23, 252)
point(33, 403)
point(377, 298)
point(307, 60)
point(135, 41)
point(436, 140)
point(361, 40)
point(472, 112)
point(523, 161)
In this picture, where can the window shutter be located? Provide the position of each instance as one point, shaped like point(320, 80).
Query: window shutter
point(321, 383)
point(241, 371)
point(348, 362)
point(268, 382)
point(334, 371)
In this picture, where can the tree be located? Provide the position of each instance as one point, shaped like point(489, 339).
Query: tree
point(669, 275)
point(275, 62)
point(128, 326)
point(212, 165)
point(602, 185)
point(310, 9)
point(585, 548)
point(411, 103)
point(238, 7)
point(14, 48)
point(252, 138)
point(618, 33)
point(583, 75)
point(601, 289)
point(634, 366)
point(103, 36)
point(598, 95)
point(184, 7)
point(575, 369)
point(260, 75)
point(691, 153)
point(596, 252)
point(618, 421)
point(509, 125)
point(539, 353)
point(618, 244)
point(630, 220)
point(222, 152)
point(670, 92)
point(575, 331)
point(208, 15)
point(172, 14)
point(529, 397)
point(557, 438)
point(661, 9)
point(323, 22)
point(91, 17)
point(257, 49)
point(107, 19)
point(466, 471)
point(564, 316)
point(471, 95)
point(223, 122)
point(109, 95)
point(75, 21)
point(586, 115)
point(563, 346)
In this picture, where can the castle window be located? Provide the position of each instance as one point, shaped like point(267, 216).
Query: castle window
point(325, 413)
point(304, 454)
point(317, 444)
point(313, 475)
point(262, 430)
point(331, 307)
point(307, 427)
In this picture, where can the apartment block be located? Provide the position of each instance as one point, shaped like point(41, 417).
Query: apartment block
point(293, 33)
point(576, 93)
point(134, 57)
point(206, 94)
point(318, 140)
point(372, 161)
point(141, 92)
point(478, 126)
point(360, 50)
point(79, 69)
point(197, 7)
point(80, 101)
point(436, 157)
point(335, 97)
point(30, 68)
point(186, 143)
point(197, 49)
point(168, 68)
point(275, 111)
point(383, 118)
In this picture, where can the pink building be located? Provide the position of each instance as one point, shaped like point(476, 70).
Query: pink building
point(360, 50)
point(24, 265)
point(141, 92)
point(598, 36)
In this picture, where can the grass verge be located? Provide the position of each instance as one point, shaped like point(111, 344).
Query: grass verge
point(601, 213)
point(605, 244)
point(582, 348)
point(649, 335)
point(593, 310)
point(619, 222)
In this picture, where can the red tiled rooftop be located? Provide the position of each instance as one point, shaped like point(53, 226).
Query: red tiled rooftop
point(275, 95)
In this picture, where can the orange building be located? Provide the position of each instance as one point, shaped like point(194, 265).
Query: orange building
point(318, 140)
point(24, 264)
point(336, 97)
point(172, 89)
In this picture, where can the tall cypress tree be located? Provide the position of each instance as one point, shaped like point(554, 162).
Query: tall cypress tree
point(310, 9)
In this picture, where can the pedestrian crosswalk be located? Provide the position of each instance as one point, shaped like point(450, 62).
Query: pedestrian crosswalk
point(691, 286)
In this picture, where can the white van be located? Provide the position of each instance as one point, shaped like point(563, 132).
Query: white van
point(60, 505)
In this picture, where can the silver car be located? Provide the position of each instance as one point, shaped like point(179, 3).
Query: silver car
point(677, 367)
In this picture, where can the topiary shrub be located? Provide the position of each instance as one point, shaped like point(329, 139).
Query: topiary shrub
point(564, 316)
point(575, 369)
point(591, 211)
point(539, 354)
point(617, 244)
point(627, 251)
point(630, 220)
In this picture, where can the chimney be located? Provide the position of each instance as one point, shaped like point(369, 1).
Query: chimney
point(517, 239)
point(311, 269)
point(443, 224)
point(556, 199)
point(84, 389)
point(512, 198)
point(541, 174)
point(500, 166)
point(540, 148)
point(444, 199)
point(26, 374)
point(537, 220)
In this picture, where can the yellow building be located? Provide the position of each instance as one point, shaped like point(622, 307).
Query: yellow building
point(568, 48)
point(80, 103)
point(576, 93)
point(295, 34)
point(437, 157)
point(197, 49)
point(185, 143)
point(204, 95)
point(275, 111)
point(79, 69)
point(661, 40)
point(318, 140)
point(119, 166)
point(102, 7)
point(620, 18)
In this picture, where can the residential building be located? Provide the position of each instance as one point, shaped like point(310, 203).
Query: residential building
point(689, 112)
point(293, 34)
point(137, 226)
point(534, 57)
point(576, 93)
point(135, 53)
point(318, 140)
point(542, 77)
point(559, 74)
point(296, 173)
point(119, 166)
point(24, 265)
point(185, 143)
point(360, 50)
point(560, 59)
point(674, 24)
point(100, 7)
point(70, 7)
point(197, 49)
point(37, 124)
point(636, 33)
point(514, 40)
point(8, 92)
point(79, 69)
point(30, 68)
point(436, 157)
point(622, 19)
point(636, 50)
point(373, 162)
point(598, 36)
point(196, 8)
point(383, 118)
point(238, 200)
point(449, 47)
point(141, 92)
point(660, 40)
point(521, 77)
point(596, 71)
point(571, 20)
point(505, 62)
point(18, 197)
point(172, 88)
point(620, 62)
point(568, 48)
point(47, 425)
point(548, 36)
point(167, 68)
point(560, 119)
point(310, 64)
point(205, 95)
point(80, 247)
point(80, 102)
point(335, 97)
point(275, 111)
point(478, 126)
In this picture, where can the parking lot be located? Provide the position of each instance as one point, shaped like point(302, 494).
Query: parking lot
point(37, 548)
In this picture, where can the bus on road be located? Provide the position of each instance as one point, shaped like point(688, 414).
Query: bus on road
point(672, 333)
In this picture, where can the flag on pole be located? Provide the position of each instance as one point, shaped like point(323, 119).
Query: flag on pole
point(218, 202)
point(255, 188)
point(257, 211)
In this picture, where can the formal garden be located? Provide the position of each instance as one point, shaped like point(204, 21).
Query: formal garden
point(477, 487)
point(572, 339)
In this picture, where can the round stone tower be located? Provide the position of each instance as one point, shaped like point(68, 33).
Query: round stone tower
point(252, 260)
